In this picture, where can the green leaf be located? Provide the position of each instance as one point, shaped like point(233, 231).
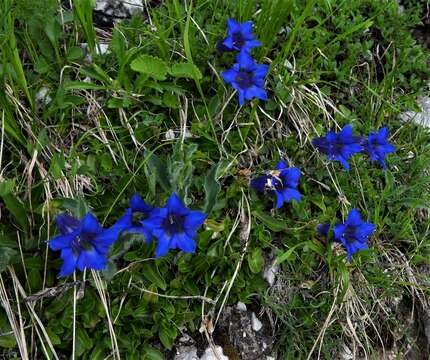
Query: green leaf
point(167, 335)
point(287, 254)
point(17, 209)
point(7, 341)
point(186, 70)
point(160, 169)
point(6, 187)
point(212, 189)
point(7, 256)
point(150, 271)
point(256, 261)
point(272, 223)
point(150, 353)
point(75, 53)
point(151, 66)
point(57, 165)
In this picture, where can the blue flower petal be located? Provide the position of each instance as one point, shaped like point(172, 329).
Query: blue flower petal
point(323, 229)
point(104, 240)
point(261, 71)
point(229, 75)
point(66, 223)
point(291, 177)
point(90, 224)
point(291, 194)
point(354, 218)
point(241, 94)
point(194, 219)
point(365, 230)
point(175, 205)
point(69, 262)
point(338, 231)
point(245, 61)
point(138, 204)
point(163, 244)
point(260, 183)
point(228, 43)
point(125, 221)
point(91, 259)
point(281, 165)
point(255, 92)
point(233, 26)
point(61, 241)
point(184, 242)
point(279, 199)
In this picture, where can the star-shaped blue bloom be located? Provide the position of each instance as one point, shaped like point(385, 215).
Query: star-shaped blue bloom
point(377, 146)
point(131, 220)
point(240, 36)
point(247, 77)
point(83, 243)
point(354, 233)
point(339, 146)
point(174, 226)
point(283, 182)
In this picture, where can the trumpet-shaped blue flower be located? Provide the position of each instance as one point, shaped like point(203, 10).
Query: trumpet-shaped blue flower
point(377, 146)
point(354, 233)
point(282, 181)
point(83, 243)
point(174, 226)
point(131, 220)
point(339, 146)
point(240, 36)
point(323, 229)
point(247, 77)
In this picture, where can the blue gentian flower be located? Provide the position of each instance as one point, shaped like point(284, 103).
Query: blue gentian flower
point(247, 77)
point(83, 243)
point(282, 181)
point(377, 146)
point(174, 226)
point(240, 36)
point(354, 233)
point(131, 220)
point(339, 146)
point(323, 229)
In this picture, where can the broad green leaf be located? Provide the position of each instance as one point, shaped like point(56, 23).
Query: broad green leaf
point(272, 223)
point(150, 353)
point(57, 165)
point(7, 341)
point(160, 169)
point(150, 271)
point(151, 66)
point(256, 260)
point(6, 187)
point(212, 189)
point(287, 254)
point(186, 70)
point(17, 209)
point(7, 256)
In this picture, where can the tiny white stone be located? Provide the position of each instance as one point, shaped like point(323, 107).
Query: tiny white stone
point(209, 354)
point(42, 96)
point(170, 135)
point(256, 324)
point(270, 358)
point(102, 49)
point(241, 306)
point(186, 353)
point(270, 272)
point(420, 118)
